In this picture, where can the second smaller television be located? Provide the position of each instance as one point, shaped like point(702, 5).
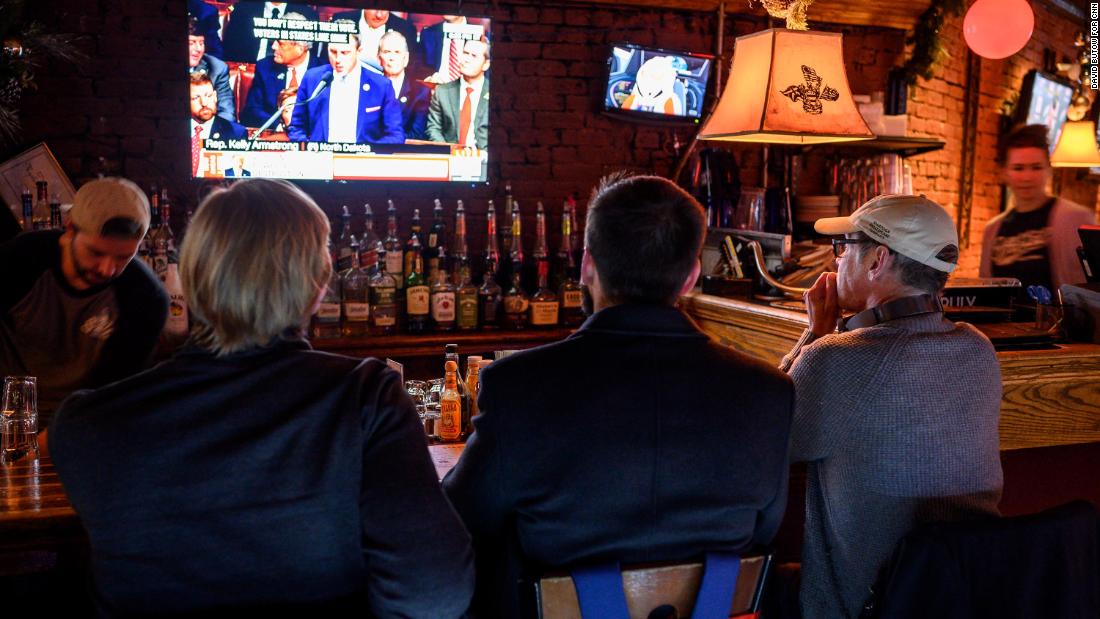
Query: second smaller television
point(655, 83)
point(1044, 100)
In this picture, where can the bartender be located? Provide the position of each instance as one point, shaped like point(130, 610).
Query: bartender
point(1035, 240)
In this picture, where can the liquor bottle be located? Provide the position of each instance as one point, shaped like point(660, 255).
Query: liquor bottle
point(176, 325)
point(370, 246)
point(466, 298)
point(355, 296)
point(147, 247)
point(460, 252)
point(473, 385)
point(509, 204)
point(449, 426)
point(417, 293)
point(55, 213)
point(516, 257)
point(392, 245)
point(541, 253)
point(40, 220)
point(492, 254)
point(544, 303)
point(164, 242)
point(434, 252)
point(346, 244)
point(515, 305)
point(450, 355)
point(443, 302)
point(383, 299)
point(569, 289)
point(414, 233)
point(488, 301)
point(326, 322)
point(27, 199)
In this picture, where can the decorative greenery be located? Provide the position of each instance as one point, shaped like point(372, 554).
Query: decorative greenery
point(928, 48)
point(25, 46)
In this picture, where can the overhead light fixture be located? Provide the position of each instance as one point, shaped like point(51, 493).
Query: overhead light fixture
point(787, 87)
point(1076, 146)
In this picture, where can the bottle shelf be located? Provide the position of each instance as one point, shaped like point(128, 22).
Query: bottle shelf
point(404, 346)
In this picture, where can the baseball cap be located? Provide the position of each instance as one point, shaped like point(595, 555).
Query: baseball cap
point(913, 226)
point(103, 199)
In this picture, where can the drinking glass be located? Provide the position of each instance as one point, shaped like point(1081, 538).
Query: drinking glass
point(19, 419)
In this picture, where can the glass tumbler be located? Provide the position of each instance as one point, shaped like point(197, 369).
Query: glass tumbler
point(19, 420)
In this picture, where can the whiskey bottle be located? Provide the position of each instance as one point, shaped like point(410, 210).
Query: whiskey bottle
point(434, 251)
point(544, 303)
point(395, 265)
point(516, 257)
point(460, 253)
point(370, 246)
point(355, 294)
point(326, 322)
point(345, 246)
point(383, 299)
point(492, 254)
point(40, 219)
point(569, 289)
point(515, 305)
point(164, 242)
point(466, 298)
point(488, 302)
point(443, 302)
point(449, 426)
point(414, 234)
point(417, 293)
point(541, 253)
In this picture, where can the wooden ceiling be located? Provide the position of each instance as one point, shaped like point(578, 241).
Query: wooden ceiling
point(900, 14)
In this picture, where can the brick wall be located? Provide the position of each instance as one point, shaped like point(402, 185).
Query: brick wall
point(124, 111)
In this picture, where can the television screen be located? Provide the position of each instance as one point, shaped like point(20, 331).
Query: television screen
point(656, 83)
point(1045, 101)
point(308, 91)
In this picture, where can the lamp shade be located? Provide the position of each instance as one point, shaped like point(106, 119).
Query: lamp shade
point(787, 87)
point(1077, 146)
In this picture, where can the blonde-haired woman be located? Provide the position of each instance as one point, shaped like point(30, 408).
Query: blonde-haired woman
point(250, 471)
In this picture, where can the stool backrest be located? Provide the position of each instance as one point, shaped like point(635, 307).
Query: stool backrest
point(650, 586)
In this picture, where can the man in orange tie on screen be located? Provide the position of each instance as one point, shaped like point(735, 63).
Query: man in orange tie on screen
point(459, 111)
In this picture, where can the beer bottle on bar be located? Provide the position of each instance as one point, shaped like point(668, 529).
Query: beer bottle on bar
point(383, 300)
point(569, 289)
point(355, 293)
point(443, 302)
point(449, 427)
point(41, 217)
point(544, 303)
point(414, 234)
point(417, 293)
point(345, 245)
point(326, 322)
point(28, 209)
point(392, 245)
point(515, 304)
point(55, 213)
point(370, 246)
point(433, 251)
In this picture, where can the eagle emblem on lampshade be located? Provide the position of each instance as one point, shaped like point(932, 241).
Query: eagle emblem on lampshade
point(810, 92)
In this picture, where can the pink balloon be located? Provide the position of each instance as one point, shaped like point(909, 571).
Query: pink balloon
point(997, 29)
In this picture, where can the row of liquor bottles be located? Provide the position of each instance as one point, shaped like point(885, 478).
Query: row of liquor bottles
point(426, 282)
point(40, 211)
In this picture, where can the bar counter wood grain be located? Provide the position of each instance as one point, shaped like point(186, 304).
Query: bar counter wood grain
point(34, 511)
point(1051, 397)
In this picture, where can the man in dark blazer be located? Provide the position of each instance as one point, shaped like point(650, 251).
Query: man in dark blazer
point(445, 113)
point(205, 124)
point(637, 439)
point(393, 56)
point(241, 45)
point(372, 113)
point(431, 41)
point(208, 26)
point(380, 22)
point(200, 61)
point(284, 69)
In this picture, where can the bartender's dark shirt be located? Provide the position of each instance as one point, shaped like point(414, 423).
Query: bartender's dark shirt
point(1021, 247)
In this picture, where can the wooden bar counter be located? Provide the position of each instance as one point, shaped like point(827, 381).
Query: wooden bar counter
point(1051, 397)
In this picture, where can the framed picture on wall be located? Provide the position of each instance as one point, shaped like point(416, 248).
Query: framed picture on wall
point(35, 164)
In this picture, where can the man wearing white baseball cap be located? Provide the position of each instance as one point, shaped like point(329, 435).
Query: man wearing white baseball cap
point(76, 310)
point(896, 407)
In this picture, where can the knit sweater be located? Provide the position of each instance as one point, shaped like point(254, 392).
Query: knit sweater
point(898, 425)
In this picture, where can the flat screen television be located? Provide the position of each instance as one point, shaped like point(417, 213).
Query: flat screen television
point(310, 91)
point(1044, 100)
point(657, 84)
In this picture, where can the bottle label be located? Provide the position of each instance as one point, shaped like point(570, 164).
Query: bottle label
point(433, 239)
point(515, 304)
point(383, 306)
point(416, 299)
point(450, 420)
point(382, 295)
point(544, 313)
point(356, 312)
point(443, 306)
point(467, 311)
point(368, 260)
point(572, 299)
point(328, 312)
point(393, 264)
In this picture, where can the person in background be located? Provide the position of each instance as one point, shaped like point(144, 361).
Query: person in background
point(431, 39)
point(280, 71)
point(249, 471)
point(897, 408)
point(205, 124)
point(1035, 240)
point(357, 106)
point(393, 55)
point(372, 24)
point(459, 110)
point(636, 439)
point(208, 26)
point(76, 310)
point(241, 42)
point(201, 62)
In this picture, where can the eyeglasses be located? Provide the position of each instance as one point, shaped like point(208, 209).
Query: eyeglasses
point(838, 245)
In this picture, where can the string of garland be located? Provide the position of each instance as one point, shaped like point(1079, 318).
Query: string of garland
point(928, 48)
point(24, 46)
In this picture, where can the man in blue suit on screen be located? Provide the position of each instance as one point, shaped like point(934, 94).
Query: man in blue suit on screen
point(358, 105)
